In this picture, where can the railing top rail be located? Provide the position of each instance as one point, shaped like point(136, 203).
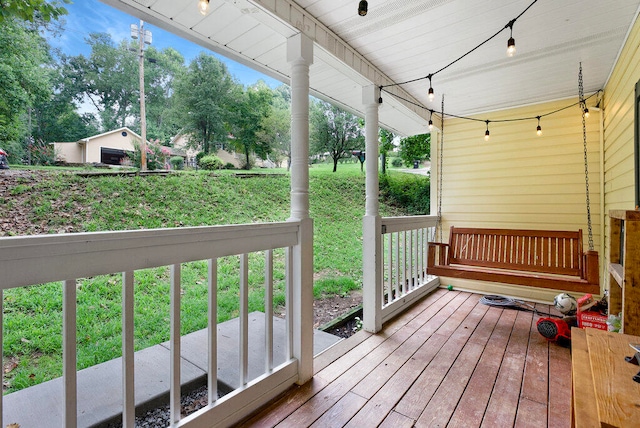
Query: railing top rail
point(399, 224)
point(38, 259)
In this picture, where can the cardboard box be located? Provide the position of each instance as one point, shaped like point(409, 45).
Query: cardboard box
point(592, 319)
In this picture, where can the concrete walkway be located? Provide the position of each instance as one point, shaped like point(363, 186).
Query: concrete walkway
point(100, 386)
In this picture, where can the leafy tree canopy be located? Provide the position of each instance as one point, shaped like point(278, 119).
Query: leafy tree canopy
point(32, 10)
point(334, 131)
point(204, 97)
point(415, 147)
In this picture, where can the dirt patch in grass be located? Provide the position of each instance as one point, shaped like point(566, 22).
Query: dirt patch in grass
point(330, 308)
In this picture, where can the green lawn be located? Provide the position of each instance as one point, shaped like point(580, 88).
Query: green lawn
point(33, 315)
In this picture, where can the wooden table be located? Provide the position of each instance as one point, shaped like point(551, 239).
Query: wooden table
point(604, 393)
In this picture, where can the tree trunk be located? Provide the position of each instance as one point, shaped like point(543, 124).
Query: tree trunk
point(247, 166)
point(384, 162)
point(335, 164)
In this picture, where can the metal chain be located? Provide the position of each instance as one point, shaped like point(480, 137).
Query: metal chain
point(583, 107)
point(441, 138)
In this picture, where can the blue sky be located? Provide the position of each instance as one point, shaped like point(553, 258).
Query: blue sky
point(92, 16)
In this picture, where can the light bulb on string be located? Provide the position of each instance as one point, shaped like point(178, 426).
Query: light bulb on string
point(362, 8)
point(430, 94)
point(203, 6)
point(539, 128)
point(430, 121)
point(511, 43)
point(586, 112)
point(486, 134)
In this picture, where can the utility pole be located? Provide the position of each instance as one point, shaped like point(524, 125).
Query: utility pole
point(144, 38)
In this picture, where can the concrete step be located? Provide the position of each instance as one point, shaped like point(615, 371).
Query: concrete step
point(100, 386)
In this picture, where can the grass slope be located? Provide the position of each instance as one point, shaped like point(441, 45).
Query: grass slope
point(66, 202)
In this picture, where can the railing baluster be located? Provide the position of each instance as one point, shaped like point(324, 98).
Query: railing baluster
point(404, 261)
point(289, 299)
point(212, 378)
point(397, 250)
point(69, 354)
point(392, 287)
point(244, 318)
point(268, 309)
point(416, 264)
point(128, 363)
point(174, 346)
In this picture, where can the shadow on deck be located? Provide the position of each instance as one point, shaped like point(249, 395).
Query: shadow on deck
point(447, 361)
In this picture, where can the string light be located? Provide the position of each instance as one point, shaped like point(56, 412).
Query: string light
point(486, 134)
point(586, 111)
point(430, 121)
point(511, 43)
point(362, 8)
point(380, 97)
point(430, 93)
point(203, 6)
point(539, 128)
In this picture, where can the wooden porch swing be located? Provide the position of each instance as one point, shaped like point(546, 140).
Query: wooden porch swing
point(538, 258)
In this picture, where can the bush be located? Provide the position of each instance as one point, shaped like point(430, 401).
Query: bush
point(211, 162)
point(199, 156)
point(229, 165)
point(407, 191)
point(396, 162)
point(177, 162)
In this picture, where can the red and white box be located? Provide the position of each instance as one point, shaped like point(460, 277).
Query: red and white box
point(587, 318)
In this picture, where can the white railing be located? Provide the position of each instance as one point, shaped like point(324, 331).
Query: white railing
point(404, 262)
point(30, 260)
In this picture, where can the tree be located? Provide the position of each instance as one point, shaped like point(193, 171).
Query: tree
point(245, 123)
point(203, 96)
point(56, 118)
point(31, 10)
point(24, 81)
point(276, 125)
point(386, 145)
point(415, 148)
point(108, 78)
point(161, 71)
point(335, 131)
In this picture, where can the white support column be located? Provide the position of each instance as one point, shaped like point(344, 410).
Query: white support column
point(300, 56)
point(372, 222)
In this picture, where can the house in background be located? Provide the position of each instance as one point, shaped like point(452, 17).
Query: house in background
point(107, 148)
point(181, 142)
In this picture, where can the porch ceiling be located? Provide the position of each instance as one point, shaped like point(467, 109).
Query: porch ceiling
point(400, 40)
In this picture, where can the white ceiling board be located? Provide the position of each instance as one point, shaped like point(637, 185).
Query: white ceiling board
point(401, 40)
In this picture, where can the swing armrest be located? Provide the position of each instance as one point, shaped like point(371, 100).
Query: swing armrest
point(437, 251)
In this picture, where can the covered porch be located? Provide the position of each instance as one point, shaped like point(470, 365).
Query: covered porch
point(447, 361)
point(445, 345)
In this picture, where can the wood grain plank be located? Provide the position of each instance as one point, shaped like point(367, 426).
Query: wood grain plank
point(418, 396)
point(386, 398)
point(535, 383)
point(396, 420)
point(368, 386)
point(476, 396)
point(323, 401)
point(559, 386)
point(446, 398)
point(341, 412)
point(443, 403)
point(503, 404)
point(277, 411)
point(531, 414)
point(584, 396)
point(617, 395)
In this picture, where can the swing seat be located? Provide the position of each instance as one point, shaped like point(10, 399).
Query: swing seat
point(536, 258)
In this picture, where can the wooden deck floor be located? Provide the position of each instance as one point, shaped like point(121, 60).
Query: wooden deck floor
point(448, 361)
